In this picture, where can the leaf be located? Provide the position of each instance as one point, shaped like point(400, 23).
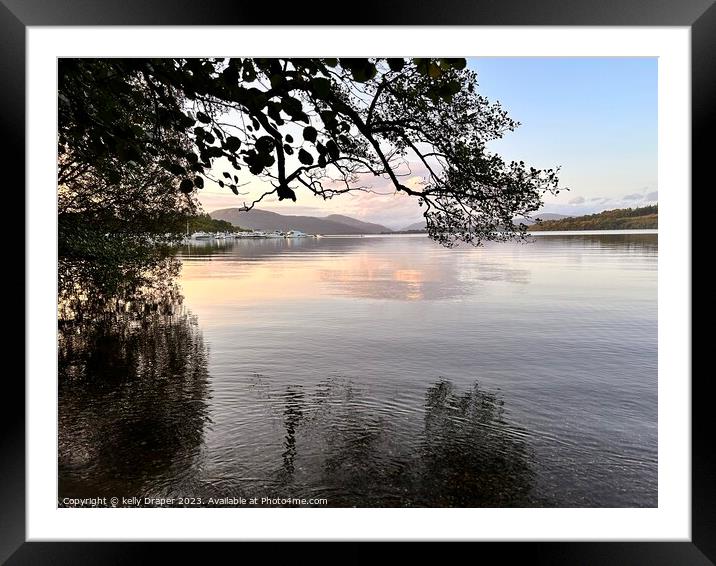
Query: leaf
point(329, 118)
point(186, 186)
point(300, 117)
point(305, 157)
point(232, 144)
point(291, 106)
point(332, 149)
point(434, 71)
point(310, 134)
point(264, 144)
point(361, 69)
point(321, 86)
point(231, 75)
point(198, 182)
point(458, 64)
point(249, 73)
point(256, 99)
point(289, 138)
point(276, 80)
point(203, 117)
point(234, 189)
point(396, 64)
point(273, 109)
point(175, 168)
point(421, 65)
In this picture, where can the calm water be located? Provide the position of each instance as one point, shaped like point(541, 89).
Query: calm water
point(378, 371)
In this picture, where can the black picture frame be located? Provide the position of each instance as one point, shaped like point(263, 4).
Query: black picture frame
point(699, 15)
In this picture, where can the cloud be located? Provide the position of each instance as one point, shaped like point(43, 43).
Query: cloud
point(576, 200)
point(633, 196)
point(652, 196)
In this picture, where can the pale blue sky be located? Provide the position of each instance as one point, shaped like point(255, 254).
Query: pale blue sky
point(594, 117)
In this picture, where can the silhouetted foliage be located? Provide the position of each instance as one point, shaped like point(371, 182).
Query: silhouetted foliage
point(325, 125)
point(116, 208)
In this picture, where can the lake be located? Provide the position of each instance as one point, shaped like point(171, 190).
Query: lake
point(378, 371)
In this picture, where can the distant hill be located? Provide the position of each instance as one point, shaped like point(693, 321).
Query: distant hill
point(265, 220)
point(362, 227)
point(619, 219)
point(420, 225)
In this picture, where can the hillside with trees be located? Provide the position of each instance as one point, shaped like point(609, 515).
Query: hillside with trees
point(642, 218)
point(205, 223)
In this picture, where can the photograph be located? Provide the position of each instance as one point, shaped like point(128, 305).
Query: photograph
point(375, 282)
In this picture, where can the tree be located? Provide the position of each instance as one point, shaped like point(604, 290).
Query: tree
point(327, 126)
point(116, 209)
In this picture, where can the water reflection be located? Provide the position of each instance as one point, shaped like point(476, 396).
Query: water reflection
point(623, 241)
point(472, 456)
point(133, 403)
point(256, 248)
point(323, 378)
point(293, 414)
point(355, 450)
point(90, 292)
point(249, 271)
point(394, 268)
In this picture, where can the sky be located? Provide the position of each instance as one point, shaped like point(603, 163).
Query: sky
point(595, 118)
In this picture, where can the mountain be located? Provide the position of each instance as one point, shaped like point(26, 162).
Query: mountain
point(618, 219)
point(420, 225)
point(265, 220)
point(363, 227)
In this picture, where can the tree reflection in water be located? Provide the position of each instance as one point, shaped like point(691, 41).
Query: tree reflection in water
point(133, 390)
point(355, 452)
point(134, 409)
point(293, 414)
point(471, 456)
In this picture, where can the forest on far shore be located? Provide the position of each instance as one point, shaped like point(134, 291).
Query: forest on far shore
point(646, 217)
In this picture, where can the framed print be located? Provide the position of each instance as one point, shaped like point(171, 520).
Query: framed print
point(398, 280)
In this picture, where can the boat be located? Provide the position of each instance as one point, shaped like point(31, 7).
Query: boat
point(202, 236)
